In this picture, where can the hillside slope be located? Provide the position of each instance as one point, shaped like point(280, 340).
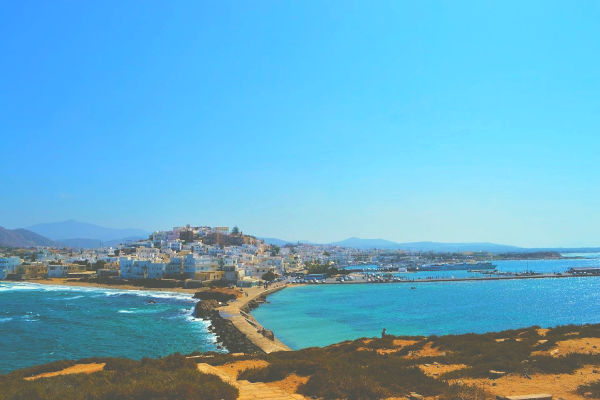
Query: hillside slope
point(71, 230)
point(22, 238)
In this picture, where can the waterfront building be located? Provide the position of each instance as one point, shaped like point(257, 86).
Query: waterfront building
point(141, 269)
point(247, 281)
point(63, 270)
point(209, 275)
point(174, 267)
point(194, 265)
point(8, 265)
point(31, 270)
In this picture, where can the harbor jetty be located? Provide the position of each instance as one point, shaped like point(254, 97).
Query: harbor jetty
point(235, 327)
point(375, 277)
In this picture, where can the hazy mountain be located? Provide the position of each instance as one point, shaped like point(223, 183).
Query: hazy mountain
point(274, 241)
point(23, 238)
point(459, 247)
point(359, 243)
point(281, 242)
point(74, 230)
point(425, 246)
point(95, 243)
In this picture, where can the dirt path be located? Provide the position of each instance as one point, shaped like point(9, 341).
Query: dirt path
point(75, 369)
point(249, 390)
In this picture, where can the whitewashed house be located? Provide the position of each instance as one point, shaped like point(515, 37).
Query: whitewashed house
point(194, 264)
point(8, 265)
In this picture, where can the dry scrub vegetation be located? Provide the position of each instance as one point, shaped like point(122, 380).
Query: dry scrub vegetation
point(562, 361)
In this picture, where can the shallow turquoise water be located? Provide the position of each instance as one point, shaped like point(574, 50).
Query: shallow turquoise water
point(318, 315)
point(541, 266)
point(40, 324)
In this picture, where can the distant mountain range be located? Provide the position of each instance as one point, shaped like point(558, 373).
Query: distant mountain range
point(23, 238)
point(366, 244)
point(76, 234)
point(438, 247)
point(426, 246)
point(85, 235)
point(281, 242)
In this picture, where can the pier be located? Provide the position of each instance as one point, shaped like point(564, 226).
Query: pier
point(332, 281)
point(238, 312)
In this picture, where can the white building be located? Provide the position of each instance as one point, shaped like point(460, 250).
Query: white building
point(193, 264)
point(174, 267)
point(141, 269)
point(147, 253)
point(57, 271)
point(8, 265)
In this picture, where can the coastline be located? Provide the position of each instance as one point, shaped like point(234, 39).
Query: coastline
point(236, 329)
point(238, 312)
point(241, 334)
point(66, 282)
point(233, 324)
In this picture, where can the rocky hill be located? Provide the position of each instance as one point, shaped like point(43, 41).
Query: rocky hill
point(22, 238)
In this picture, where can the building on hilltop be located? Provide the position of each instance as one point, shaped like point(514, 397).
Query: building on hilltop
point(223, 230)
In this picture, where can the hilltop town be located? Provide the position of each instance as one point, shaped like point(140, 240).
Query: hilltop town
point(196, 255)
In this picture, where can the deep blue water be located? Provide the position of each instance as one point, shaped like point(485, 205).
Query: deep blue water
point(40, 324)
point(317, 315)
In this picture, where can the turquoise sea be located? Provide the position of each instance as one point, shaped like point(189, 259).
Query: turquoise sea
point(318, 315)
point(41, 323)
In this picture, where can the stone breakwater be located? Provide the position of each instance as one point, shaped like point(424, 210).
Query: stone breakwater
point(233, 324)
point(231, 338)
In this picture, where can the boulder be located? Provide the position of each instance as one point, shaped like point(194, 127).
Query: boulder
point(205, 308)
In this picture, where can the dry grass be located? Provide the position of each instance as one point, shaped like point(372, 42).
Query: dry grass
point(436, 369)
point(559, 386)
point(562, 361)
point(235, 368)
point(290, 383)
point(572, 346)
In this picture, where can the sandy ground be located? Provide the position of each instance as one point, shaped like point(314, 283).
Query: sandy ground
point(559, 386)
point(427, 351)
point(582, 346)
point(75, 369)
point(436, 369)
point(65, 282)
point(235, 368)
point(290, 383)
point(404, 342)
point(253, 391)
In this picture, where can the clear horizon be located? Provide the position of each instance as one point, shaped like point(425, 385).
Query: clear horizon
point(445, 122)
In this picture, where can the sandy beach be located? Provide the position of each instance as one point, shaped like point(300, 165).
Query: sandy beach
point(70, 282)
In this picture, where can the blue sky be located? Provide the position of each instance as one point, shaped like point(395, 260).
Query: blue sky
point(446, 121)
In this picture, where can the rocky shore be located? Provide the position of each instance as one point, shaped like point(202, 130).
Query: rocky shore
point(231, 338)
point(233, 324)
